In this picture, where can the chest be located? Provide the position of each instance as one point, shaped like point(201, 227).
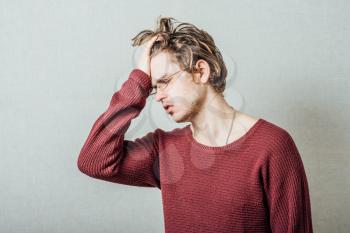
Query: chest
point(217, 184)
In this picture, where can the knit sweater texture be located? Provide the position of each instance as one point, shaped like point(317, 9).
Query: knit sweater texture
point(256, 183)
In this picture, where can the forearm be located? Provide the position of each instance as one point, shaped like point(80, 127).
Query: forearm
point(100, 154)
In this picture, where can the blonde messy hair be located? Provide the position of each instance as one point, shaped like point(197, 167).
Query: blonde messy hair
point(187, 44)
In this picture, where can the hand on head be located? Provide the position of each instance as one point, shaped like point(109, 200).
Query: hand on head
point(144, 60)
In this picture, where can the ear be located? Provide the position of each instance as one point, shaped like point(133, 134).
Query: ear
point(203, 71)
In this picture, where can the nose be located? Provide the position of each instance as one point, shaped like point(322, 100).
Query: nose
point(160, 95)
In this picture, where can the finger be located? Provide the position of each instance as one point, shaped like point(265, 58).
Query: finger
point(152, 40)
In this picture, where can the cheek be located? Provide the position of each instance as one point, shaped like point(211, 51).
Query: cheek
point(181, 94)
point(185, 87)
point(185, 93)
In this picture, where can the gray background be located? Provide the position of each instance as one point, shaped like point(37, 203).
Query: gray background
point(61, 61)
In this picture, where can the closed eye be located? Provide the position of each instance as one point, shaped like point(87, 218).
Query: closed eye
point(163, 81)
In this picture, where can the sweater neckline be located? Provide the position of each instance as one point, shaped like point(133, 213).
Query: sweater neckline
point(230, 145)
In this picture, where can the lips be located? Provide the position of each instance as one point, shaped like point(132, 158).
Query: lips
point(168, 107)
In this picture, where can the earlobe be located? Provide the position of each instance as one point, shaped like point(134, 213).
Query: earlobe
point(203, 75)
point(200, 77)
point(202, 67)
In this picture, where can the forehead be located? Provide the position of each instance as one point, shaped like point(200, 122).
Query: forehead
point(163, 64)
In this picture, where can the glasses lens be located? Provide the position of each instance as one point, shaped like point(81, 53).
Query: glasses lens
point(163, 85)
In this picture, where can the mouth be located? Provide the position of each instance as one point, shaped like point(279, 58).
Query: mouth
point(168, 108)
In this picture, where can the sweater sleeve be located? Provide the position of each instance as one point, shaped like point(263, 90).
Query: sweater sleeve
point(286, 188)
point(106, 155)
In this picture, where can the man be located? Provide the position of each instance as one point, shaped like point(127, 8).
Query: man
point(226, 171)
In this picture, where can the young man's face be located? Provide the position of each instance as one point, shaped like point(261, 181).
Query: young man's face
point(181, 92)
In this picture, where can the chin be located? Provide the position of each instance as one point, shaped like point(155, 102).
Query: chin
point(180, 117)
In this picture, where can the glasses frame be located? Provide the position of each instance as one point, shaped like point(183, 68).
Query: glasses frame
point(168, 80)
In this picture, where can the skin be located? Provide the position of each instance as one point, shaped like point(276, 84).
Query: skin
point(194, 100)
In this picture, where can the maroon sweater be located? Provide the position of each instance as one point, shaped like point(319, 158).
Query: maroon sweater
point(254, 184)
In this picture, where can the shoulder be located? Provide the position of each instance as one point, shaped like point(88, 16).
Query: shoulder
point(280, 145)
point(275, 137)
point(268, 132)
point(173, 134)
point(272, 131)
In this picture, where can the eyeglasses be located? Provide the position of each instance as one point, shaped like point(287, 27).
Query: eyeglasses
point(164, 82)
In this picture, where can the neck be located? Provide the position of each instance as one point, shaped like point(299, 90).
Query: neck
point(212, 123)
